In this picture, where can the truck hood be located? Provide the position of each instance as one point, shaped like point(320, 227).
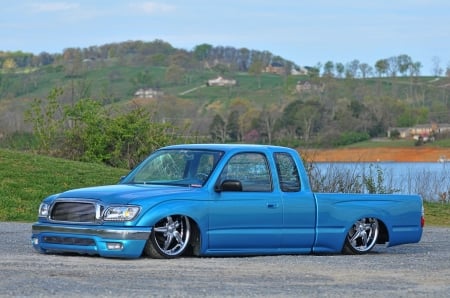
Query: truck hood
point(126, 193)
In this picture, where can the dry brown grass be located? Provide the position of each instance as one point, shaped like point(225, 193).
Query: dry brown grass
point(411, 154)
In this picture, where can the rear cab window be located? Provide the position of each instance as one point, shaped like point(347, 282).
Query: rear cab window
point(287, 172)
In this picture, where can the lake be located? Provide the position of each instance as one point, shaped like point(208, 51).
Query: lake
point(429, 179)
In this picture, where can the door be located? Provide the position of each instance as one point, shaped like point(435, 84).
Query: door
point(249, 219)
point(299, 208)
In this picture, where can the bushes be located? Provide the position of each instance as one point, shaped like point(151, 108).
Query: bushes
point(351, 137)
point(352, 179)
point(86, 131)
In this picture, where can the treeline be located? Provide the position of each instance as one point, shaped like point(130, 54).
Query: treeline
point(155, 53)
point(161, 53)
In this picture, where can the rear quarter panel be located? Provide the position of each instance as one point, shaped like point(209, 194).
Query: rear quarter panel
point(336, 213)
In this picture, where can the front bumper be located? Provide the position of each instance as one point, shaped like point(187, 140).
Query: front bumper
point(106, 241)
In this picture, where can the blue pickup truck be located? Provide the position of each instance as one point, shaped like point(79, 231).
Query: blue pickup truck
point(221, 200)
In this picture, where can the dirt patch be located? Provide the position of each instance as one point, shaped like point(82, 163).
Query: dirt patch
point(413, 154)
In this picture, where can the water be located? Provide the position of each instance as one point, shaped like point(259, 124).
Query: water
point(429, 179)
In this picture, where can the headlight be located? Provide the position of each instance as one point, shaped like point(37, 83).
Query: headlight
point(121, 213)
point(43, 210)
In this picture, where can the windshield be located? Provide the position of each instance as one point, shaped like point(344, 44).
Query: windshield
point(176, 167)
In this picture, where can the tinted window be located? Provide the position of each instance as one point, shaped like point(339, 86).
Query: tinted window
point(287, 172)
point(251, 169)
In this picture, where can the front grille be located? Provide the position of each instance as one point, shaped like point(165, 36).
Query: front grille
point(68, 240)
point(74, 212)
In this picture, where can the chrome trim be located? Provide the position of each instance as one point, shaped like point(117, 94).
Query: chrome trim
point(117, 233)
point(97, 205)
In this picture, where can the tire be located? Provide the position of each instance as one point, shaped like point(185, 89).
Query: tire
point(362, 236)
point(169, 238)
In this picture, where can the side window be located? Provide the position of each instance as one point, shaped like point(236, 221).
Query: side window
point(287, 172)
point(251, 169)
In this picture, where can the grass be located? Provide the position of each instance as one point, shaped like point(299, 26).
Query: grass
point(26, 179)
point(385, 142)
point(437, 214)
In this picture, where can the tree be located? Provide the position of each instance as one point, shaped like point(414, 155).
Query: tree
point(340, 69)
point(365, 70)
point(143, 79)
point(201, 51)
point(232, 126)
point(393, 66)
point(414, 69)
point(9, 65)
point(46, 118)
point(301, 119)
point(352, 68)
point(328, 69)
point(437, 69)
point(256, 69)
point(404, 63)
point(217, 129)
point(382, 67)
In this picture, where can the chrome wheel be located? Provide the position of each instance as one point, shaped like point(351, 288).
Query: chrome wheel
point(362, 236)
point(169, 238)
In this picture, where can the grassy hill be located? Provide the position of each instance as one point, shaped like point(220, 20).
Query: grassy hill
point(27, 178)
point(259, 99)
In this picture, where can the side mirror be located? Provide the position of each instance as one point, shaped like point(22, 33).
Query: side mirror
point(229, 185)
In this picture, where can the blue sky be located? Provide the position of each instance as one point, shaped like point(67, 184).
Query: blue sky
point(305, 32)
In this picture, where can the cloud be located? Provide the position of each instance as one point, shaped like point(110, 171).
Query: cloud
point(151, 7)
point(53, 6)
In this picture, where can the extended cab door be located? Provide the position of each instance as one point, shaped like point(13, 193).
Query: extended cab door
point(299, 207)
point(249, 217)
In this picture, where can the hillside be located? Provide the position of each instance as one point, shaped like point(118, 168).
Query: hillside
point(311, 107)
point(26, 179)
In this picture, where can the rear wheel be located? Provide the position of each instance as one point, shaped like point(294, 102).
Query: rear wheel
point(362, 236)
point(169, 238)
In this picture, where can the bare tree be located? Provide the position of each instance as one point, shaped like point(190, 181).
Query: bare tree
point(365, 70)
point(393, 66)
point(437, 69)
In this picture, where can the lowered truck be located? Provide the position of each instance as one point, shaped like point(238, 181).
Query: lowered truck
point(221, 200)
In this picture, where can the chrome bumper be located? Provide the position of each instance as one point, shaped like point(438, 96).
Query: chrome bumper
point(104, 232)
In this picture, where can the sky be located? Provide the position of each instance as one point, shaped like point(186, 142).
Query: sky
point(304, 32)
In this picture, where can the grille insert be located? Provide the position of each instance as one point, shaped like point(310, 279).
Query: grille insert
point(68, 240)
point(74, 212)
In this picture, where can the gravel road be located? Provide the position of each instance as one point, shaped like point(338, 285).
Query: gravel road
point(413, 270)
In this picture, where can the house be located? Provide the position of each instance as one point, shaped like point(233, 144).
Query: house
point(147, 93)
point(219, 81)
point(299, 71)
point(423, 131)
point(276, 68)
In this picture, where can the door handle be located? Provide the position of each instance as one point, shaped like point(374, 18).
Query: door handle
point(272, 205)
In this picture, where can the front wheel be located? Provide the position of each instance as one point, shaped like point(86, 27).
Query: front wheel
point(362, 236)
point(169, 238)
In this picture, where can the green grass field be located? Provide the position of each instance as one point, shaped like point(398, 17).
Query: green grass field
point(27, 178)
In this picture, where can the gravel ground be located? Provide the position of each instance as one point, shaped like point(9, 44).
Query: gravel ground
point(413, 270)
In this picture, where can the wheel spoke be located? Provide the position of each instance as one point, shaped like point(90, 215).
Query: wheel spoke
point(178, 237)
point(161, 229)
point(167, 242)
point(363, 239)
